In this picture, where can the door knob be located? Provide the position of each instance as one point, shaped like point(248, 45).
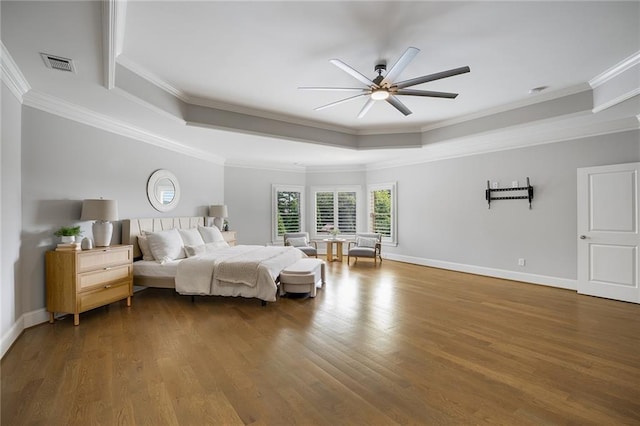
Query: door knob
point(583, 237)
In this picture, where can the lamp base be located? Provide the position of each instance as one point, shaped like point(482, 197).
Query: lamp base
point(217, 221)
point(102, 232)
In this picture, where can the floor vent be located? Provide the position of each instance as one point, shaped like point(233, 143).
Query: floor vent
point(58, 63)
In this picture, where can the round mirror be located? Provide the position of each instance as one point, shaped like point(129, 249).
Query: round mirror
point(163, 190)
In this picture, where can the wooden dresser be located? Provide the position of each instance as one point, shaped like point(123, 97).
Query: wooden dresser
point(230, 237)
point(85, 279)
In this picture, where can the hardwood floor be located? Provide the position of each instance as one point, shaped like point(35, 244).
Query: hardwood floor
point(392, 344)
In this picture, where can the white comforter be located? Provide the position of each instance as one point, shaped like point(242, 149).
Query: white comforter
point(247, 271)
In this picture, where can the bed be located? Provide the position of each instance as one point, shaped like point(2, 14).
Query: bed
point(212, 268)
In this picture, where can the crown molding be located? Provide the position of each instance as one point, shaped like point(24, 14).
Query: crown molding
point(289, 168)
point(152, 78)
point(534, 99)
point(514, 138)
point(615, 70)
point(83, 115)
point(113, 26)
point(337, 169)
point(617, 100)
point(12, 76)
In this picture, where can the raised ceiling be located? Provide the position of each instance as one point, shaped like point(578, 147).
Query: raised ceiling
point(221, 78)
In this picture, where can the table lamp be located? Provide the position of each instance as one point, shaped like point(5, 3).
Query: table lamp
point(218, 213)
point(103, 212)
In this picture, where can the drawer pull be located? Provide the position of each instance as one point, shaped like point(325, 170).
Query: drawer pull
point(107, 286)
point(107, 269)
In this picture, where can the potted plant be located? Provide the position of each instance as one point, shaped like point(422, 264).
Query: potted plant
point(68, 234)
point(335, 231)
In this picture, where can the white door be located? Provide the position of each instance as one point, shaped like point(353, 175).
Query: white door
point(608, 237)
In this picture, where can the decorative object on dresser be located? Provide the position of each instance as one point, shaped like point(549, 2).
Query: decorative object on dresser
point(78, 281)
point(103, 212)
point(218, 213)
point(68, 234)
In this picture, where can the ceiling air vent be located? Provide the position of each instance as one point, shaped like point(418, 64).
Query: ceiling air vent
point(58, 62)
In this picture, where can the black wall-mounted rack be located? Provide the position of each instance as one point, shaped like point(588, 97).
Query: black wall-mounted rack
point(528, 188)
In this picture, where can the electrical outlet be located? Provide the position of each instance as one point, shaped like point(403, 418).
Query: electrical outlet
point(521, 262)
point(494, 185)
point(514, 184)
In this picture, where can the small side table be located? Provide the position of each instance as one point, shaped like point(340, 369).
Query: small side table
point(338, 253)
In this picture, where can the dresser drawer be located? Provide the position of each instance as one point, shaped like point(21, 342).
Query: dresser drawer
point(100, 258)
point(103, 276)
point(102, 296)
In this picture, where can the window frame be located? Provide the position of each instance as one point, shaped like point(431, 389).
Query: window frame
point(275, 189)
point(393, 239)
point(357, 189)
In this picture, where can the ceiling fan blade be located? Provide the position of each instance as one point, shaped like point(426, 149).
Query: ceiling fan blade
point(398, 105)
point(336, 89)
point(367, 106)
point(428, 93)
point(431, 77)
point(339, 102)
point(353, 73)
point(399, 66)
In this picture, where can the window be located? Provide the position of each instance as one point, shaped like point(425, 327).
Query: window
point(382, 211)
point(288, 206)
point(335, 208)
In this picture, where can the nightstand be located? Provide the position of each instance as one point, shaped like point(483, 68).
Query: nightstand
point(78, 281)
point(230, 237)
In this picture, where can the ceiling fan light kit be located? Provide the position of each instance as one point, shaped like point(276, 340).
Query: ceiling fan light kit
point(385, 88)
point(379, 94)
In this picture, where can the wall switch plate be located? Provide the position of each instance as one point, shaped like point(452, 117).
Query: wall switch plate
point(521, 262)
point(494, 185)
point(514, 184)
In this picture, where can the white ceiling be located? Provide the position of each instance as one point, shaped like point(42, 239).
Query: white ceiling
point(251, 57)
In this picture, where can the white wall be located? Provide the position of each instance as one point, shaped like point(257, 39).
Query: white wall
point(11, 310)
point(443, 219)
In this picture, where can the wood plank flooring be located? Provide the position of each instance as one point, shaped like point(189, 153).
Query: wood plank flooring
point(380, 345)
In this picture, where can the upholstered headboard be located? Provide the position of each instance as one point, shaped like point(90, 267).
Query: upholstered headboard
point(131, 228)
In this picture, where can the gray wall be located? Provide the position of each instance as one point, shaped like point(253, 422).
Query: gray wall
point(443, 216)
point(248, 198)
point(64, 162)
point(10, 217)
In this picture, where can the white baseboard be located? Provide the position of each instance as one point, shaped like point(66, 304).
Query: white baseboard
point(565, 283)
point(25, 321)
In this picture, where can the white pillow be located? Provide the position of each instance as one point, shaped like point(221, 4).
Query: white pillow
point(204, 248)
point(191, 237)
point(366, 242)
point(165, 245)
point(210, 234)
point(143, 243)
point(297, 242)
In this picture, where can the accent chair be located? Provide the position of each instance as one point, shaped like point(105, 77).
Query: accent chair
point(365, 245)
point(300, 240)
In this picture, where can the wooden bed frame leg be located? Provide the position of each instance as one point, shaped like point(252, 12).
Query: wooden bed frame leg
point(263, 303)
point(193, 299)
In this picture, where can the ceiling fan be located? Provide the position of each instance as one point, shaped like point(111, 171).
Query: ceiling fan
point(385, 88)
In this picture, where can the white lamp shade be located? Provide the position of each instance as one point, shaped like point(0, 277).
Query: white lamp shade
point(218, 211)
point(105, 210)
